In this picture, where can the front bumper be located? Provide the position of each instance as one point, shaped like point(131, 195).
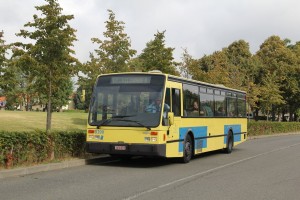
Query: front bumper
point(131, 149)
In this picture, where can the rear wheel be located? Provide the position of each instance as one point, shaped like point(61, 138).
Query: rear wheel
point(229, 145)
point(187, 149)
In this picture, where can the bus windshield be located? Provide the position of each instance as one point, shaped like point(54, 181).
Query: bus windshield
point(125, 100)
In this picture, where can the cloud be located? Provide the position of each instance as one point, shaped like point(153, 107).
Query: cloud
point(201, 26)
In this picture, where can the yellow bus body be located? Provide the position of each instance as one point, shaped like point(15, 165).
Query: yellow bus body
point(207, 133)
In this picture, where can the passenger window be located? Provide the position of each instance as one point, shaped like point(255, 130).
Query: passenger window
point(206, 105)
point(191, 100)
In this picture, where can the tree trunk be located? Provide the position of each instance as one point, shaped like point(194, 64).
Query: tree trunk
point(49, 107)
point(256, 114)
point(291, 118)
point(49, 119)
point(273, 112)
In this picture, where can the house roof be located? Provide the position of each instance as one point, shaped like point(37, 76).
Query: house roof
point(2, 98)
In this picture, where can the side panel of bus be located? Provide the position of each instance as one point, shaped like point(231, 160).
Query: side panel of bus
point(208, 133)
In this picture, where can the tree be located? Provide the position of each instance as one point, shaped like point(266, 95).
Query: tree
point(189, 67)
point(9, 77)
point(156, 56)
point(3, 62)
point(278, 60)
point(113, 54)
point(78, 99)
point(216, 67)
point(50, 55)
point(244, 70)
point(292, 84)
point(238, 53)
point(270, 93)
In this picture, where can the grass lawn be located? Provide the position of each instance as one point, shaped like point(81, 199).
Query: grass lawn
point(30, 121)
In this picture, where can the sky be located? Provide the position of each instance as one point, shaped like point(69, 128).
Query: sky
point(200, 26)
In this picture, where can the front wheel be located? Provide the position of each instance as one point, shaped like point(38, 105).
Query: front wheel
point(187, 149)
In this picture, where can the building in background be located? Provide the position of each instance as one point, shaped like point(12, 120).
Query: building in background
point(2, 103)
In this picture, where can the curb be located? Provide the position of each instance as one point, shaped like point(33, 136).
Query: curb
point(22, 171)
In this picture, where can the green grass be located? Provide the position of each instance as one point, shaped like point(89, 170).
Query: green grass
point(30, 121)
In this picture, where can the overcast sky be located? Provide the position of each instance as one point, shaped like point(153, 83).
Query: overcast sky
point(201, 26)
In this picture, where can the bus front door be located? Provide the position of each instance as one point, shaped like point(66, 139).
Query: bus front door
point(173, 98)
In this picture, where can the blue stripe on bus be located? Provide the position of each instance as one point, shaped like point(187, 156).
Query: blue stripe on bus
point(198, 131)
point(236, 128)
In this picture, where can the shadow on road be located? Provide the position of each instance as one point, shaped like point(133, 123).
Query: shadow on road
point(134, 162)
point(145, 162)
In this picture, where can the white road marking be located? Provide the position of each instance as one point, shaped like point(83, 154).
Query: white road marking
point(206, 172)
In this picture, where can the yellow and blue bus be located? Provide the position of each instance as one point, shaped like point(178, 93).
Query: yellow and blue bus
point(125, 116)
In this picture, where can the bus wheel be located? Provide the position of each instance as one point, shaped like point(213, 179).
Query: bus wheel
point(229, 145)
point(187, 149)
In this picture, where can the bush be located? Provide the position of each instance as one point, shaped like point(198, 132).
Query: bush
point(69, 144)
point(24, 148)
point(268, 127)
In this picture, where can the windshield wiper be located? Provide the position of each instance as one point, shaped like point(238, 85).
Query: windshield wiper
point(118, 118)
point(101, 123)
point(122, 116)
point(137, 122)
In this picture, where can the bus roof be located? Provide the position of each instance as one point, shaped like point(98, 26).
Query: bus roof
point(219, 86)
point(179, 79)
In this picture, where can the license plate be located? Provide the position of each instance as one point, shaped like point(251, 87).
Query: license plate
point(120, 148)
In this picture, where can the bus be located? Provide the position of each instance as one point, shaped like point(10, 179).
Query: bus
point(156, 114)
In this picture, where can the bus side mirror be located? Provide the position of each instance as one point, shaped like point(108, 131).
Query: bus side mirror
point(171, 118)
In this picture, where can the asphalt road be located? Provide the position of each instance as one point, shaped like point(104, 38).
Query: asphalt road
point(265, 168)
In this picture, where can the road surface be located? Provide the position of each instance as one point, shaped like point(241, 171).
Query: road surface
point(265, 168)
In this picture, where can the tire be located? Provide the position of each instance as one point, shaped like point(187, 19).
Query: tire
point(187, 149)
point(229, 145)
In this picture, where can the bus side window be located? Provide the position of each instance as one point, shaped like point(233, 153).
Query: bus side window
point(168, 102)
point(168, 97)
point(176, 104)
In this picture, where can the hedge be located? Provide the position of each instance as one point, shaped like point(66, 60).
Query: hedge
point(269, 127)
point(26, 148)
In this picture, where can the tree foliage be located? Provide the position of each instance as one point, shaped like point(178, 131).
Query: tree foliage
point(270, 77)
point(115, 51)
point(112, 55)
point(189, 67)
point(156, 56)
point(3, 63)
point(4, 66)
point(11, 82)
